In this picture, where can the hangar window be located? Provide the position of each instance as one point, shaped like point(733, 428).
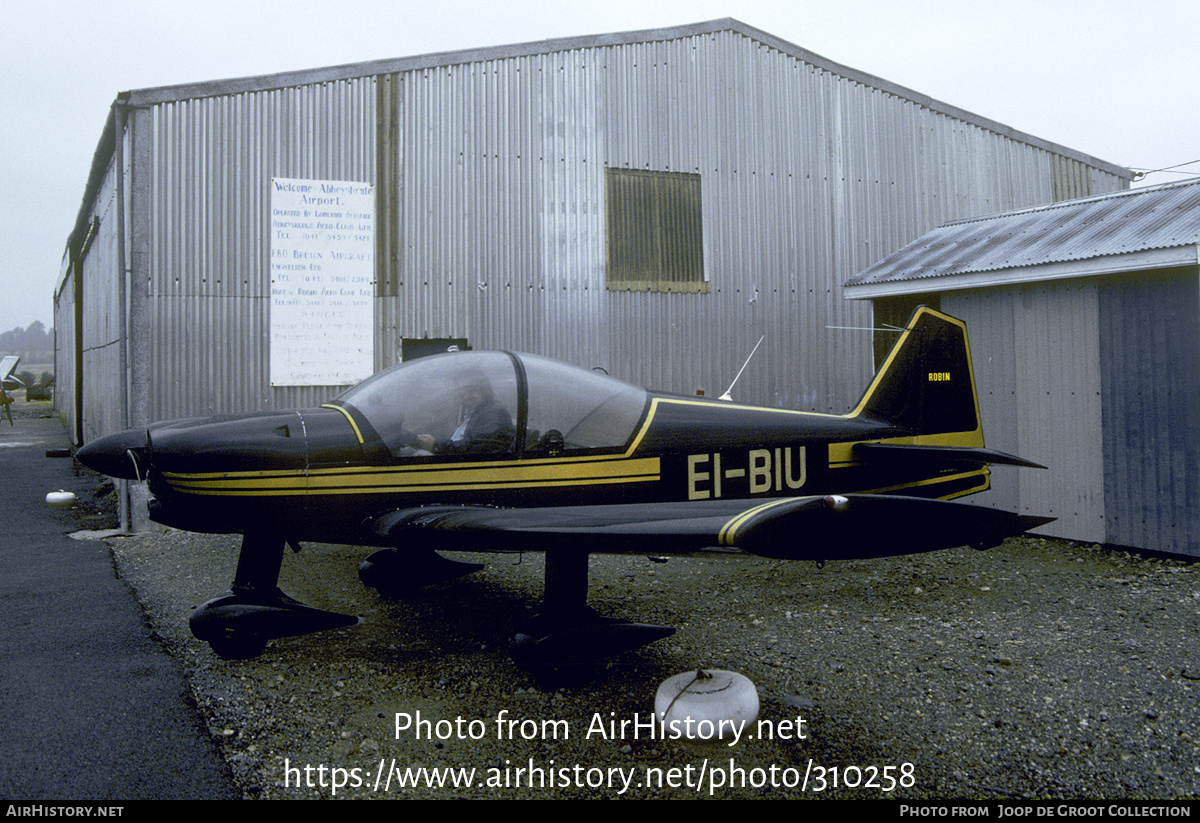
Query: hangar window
point(655, 242)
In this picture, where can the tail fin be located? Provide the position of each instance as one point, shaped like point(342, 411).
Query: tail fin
point(926, 384)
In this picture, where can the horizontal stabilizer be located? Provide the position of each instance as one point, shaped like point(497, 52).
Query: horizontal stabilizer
point(948, 455)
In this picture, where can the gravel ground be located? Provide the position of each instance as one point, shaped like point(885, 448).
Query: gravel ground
point(1038, 669)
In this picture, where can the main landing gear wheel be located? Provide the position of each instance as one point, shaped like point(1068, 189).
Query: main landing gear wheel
point(569, 633)
point(400, 573)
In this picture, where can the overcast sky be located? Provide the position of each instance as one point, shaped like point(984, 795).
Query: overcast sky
point(1118, 79)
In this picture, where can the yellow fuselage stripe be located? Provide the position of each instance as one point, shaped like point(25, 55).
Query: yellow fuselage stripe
point(419, 478)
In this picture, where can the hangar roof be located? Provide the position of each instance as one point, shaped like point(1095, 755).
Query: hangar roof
point(164, 94)
point(1147, 228)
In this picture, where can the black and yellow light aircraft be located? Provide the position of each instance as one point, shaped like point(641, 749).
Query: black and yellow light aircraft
point(494, 451)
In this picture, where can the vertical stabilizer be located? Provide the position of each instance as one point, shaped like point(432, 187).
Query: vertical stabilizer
point(926, 384)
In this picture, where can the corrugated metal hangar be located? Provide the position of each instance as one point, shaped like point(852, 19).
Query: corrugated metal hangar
point(1085, 329)
point(650, 202)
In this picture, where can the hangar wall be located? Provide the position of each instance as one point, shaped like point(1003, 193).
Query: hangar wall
point(89, 314)
point(1150, 361)
point(205, 210)
point(489, 171)
point(807, 175)
point(65, 361)
point(1035, 348)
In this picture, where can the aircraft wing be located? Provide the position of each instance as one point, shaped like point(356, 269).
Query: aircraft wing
point(831, 527)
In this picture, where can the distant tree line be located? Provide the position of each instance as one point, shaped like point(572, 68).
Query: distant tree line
point(29, 341)
point(34, 344)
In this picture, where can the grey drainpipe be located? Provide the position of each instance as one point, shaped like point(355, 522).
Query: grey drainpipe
point(122, 295)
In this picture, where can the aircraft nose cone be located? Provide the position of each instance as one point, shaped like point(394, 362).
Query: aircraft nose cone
point(117, 455)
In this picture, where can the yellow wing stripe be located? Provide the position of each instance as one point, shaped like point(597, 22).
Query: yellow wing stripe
point(728, 534)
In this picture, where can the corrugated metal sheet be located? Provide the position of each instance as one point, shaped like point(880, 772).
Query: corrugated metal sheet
point(1058, 397)
point(1157, 217)
point(810, 171)
point(1150, 359)
point(1035, 349)
point(207, 272)
point(807, 176)
point(65, 369)
point(104, 408)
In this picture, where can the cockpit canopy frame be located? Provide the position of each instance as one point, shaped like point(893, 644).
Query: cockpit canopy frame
point(457, 402)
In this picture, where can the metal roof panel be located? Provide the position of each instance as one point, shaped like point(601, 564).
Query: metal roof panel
point(1146, 219)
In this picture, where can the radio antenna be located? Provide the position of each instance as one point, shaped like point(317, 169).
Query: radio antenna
point(727, 395)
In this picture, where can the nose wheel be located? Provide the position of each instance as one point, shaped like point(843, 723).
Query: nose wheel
point(238, 624)
point(233, 645)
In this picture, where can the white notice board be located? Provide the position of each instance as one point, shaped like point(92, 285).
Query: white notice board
point(322, 282)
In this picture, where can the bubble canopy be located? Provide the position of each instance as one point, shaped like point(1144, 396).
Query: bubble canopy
point(495, 403)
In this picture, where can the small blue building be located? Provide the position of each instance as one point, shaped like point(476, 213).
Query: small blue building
point(1084, 319)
